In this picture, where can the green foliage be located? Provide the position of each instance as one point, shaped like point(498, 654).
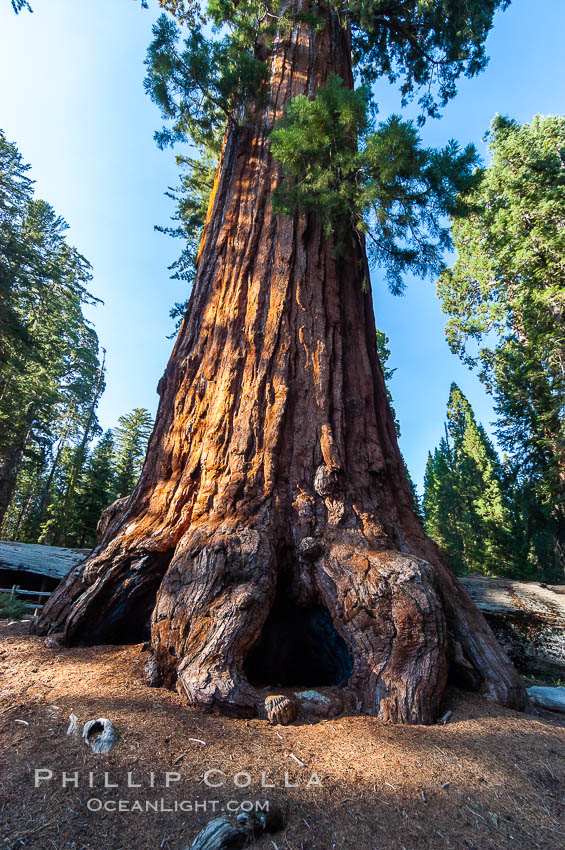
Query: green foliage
point(441, 504)
point(192, 198)
point(16, 190)
point(11, 608)
point(62, 492)
point(374, 181)
point(55, 509)
point(384, 355)
point(130, 438)
point(54, 349)
point(383, 352)
point(50, 374)
point(95, 491)
point(472, 507)
point(426, 44)
point(381, 185)
point(505, 297)
point(199, 86)
point(18, 5)
point(185, 11)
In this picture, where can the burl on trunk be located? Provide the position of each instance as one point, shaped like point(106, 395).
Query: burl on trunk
point(271, 537)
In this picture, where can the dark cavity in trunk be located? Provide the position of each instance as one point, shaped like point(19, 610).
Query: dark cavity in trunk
point(298, 646)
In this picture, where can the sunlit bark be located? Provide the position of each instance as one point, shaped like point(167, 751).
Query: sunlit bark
point(274, 466)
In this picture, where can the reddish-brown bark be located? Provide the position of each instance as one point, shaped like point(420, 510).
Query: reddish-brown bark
point(274, 466)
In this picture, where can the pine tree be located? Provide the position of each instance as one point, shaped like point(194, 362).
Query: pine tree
point(48, 380)
point(384, 354)
point(49, 368)
point(60, 478)
point(467, 507)
point(22, 520)
point(95, 491)
point(130, 438)
point(16, 192)
point(505, 299)
point(442, 506)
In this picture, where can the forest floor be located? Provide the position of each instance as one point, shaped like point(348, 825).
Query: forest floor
point(490, 778)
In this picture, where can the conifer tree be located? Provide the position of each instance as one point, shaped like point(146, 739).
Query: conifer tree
point(49, 366)
point(467, 508)
point(273, 479)
point(96, 490)
point(505, 299)
point(22, 520)
point(442, 505)
point(60, 479)
point(50, 360)
point(16, 192)
point(130, 444)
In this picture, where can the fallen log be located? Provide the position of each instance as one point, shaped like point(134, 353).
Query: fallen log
point(220, 834)
point(53, 562)
point(527, 618)
point(551, 698)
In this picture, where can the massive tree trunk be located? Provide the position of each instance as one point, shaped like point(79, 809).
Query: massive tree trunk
point(273, 498)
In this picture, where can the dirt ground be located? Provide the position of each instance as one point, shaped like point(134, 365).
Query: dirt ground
point(490, 778)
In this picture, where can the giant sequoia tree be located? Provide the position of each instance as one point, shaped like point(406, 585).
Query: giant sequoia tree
point(273, 496)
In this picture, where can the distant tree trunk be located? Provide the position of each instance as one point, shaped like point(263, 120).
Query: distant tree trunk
point(54, 466)
point(273, 482)
point(80, 456)
point(9, 468)
point(11, 461)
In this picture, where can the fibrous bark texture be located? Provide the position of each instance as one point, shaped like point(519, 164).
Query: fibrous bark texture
point(273, 481)
point(528, 620)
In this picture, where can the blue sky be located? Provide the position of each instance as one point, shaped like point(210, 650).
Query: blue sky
point(72, 99)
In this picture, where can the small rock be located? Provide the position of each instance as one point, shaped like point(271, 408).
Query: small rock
point(315, 704)
point(313, 696)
